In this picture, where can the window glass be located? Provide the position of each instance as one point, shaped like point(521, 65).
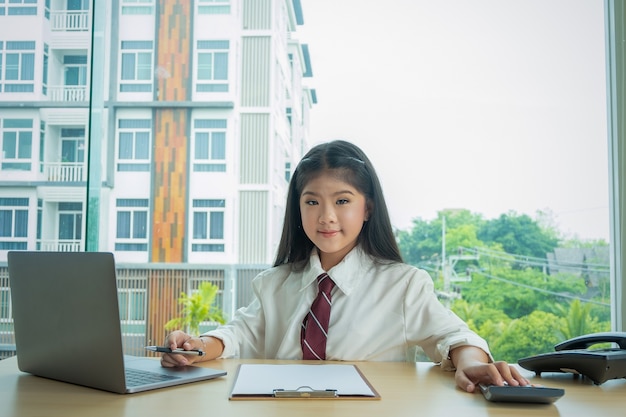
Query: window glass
point(486, 122)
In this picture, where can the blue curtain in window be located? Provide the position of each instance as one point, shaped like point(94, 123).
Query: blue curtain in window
point(25, 147)
point(199, 225)
point(123, 225)
point(9, 144)
point(217, 225)
point(6, 223)
point(140, 224)
point(142, 145)
point(221, 66)
point(218, 145)
point(27, 72)
point(128, 66)
point(66, 226)
point(126, 146)
point(21, 223)
point(201, 146)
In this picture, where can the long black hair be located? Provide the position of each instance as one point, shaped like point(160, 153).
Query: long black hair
point(351, 165)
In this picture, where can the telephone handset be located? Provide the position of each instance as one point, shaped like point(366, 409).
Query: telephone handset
point(574, 356)
point(585, 341)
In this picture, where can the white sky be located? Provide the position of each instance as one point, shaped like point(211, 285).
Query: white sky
point(487, 105)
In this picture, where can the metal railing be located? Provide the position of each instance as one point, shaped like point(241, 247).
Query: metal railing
point(65, 93)
point(65, 171)
point(69, 21)
point(60, 245)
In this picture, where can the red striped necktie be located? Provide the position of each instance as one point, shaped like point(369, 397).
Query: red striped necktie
point(315, 325)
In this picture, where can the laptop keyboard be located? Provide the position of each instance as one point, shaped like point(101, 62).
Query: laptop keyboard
point(137, 377)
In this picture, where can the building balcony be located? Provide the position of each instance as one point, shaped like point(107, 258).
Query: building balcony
point(65, 171)
point(69, 21)
point(68, 93)
point(60, 245)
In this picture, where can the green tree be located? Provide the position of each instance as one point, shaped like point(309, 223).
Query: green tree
point(476, 315)
point(196, 308)
point(577, 320)
point(518, 234)
point(530, 335)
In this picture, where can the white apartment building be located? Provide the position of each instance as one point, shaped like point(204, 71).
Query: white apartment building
point(168, 138)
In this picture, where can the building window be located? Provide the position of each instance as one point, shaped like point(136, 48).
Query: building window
point(134, 145)
point(209, 145)
point(70, 221)
point(18, 8)
point(208, 226)
point(17, 144)
point(132, 225)
point(44, 83)
point(17, 66)
point(75, 5)
point(136, 66)
point(75, 68)
point(213, 6)
point(212, 67)
point(137, 7)
point(73, 145)
point(13, 223)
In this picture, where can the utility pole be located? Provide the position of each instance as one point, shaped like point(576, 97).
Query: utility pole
point(449, 262)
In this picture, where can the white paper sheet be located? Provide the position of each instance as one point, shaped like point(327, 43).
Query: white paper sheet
point(262, 379)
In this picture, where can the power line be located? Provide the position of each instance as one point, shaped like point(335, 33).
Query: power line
point(534, 261)
point(530, 287)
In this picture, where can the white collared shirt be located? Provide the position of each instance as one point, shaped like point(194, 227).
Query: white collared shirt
point(380, 312)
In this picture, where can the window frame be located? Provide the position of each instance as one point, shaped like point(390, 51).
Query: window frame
point(207, 208)
point(20, 161)
point(134, 208)
point(24, 81)
point(212, 77)
point(17, 207)
point(133, 127)
point(138, 83)
point(215, 130)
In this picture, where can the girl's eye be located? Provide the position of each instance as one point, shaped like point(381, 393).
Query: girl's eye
point(310, 202)
point(342, 201)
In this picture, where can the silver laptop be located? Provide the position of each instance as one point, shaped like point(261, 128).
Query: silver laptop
point(67, 325)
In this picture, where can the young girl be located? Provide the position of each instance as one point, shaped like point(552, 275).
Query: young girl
point(337, 227)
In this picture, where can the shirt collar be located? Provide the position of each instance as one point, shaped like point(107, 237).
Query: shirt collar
point(346, 273)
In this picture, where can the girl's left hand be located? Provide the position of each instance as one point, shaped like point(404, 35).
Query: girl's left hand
point(496, 373)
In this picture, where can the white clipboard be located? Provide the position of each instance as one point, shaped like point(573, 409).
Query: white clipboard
point(301, 381)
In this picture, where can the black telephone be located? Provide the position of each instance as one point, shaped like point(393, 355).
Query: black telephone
point(574, 356)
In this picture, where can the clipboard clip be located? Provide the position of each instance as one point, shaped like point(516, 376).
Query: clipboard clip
point(305, 392)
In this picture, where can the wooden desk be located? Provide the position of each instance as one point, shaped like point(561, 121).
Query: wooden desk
point(406, 389)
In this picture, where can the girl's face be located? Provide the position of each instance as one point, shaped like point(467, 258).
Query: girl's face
point(333, 213)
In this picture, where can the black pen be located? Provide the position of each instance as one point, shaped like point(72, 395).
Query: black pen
point(164, 349)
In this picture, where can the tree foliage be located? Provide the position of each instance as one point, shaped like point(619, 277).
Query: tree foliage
point(512, 299)
point(197, 307)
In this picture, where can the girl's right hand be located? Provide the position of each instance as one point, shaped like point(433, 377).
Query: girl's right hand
point(181, 340)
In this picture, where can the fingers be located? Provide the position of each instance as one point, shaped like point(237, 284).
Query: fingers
point(180, 340)
point(463, 382)
point(497, 373)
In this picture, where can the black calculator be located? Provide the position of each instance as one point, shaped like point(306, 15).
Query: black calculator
point(521, 394)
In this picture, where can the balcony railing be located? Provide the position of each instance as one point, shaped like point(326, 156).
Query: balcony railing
point(60, 245)
point(68, 93)
point(65, 171)
point(69, 21)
